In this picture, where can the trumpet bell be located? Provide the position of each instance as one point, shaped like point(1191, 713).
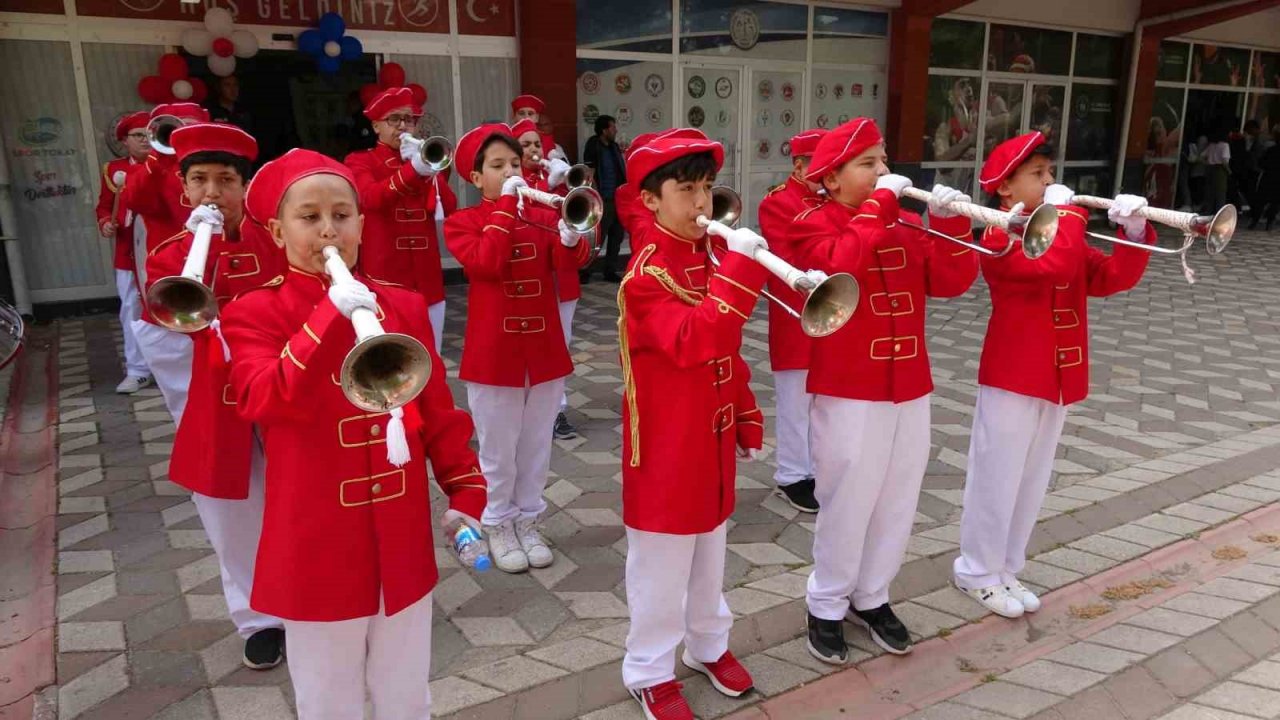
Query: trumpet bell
point(159, 130)
point(579, 176)
point(583, 209)
point(437, 153)
point(182, 304)
point(1217, 230)
point(1039, 231)
point(726, 205)
point(830, 305)
point(385, 371)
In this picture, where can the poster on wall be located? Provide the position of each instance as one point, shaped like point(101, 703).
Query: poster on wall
point(840, 95)
point(1266, 71)
point(1217, 65)
point(635, 94)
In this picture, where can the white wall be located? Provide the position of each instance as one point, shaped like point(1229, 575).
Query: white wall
point(1107, 15)
point(1260, 29)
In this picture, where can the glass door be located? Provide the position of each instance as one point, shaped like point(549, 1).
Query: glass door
point(712, 101)
point(1014, 107)
point(775, 110)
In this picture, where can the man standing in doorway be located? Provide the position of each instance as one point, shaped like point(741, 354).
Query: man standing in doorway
point(604, 157)
point(225, 106)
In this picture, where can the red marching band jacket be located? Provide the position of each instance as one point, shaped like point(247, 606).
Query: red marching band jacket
point(122, 256)
point(632, 213)
point(788, 345)
point(211, 450)
point(343, 528)
point(399, 206)
point(513, 333)
point(568, 286)
point(687, 402)
point(1037, 341)
point(880, 355)
point(153, 190)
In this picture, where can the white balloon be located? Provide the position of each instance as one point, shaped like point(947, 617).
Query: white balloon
point(197, 42)
point(219, 21)
point(246, 43)
point(222, 66)
point(182, 89)
point(332, 48)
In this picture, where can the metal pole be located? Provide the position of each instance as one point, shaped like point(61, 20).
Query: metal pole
point(12, 249)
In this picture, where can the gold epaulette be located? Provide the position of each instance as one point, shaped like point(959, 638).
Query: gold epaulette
point(273, 282)
point(775, 189)
point(806, 212)
point(106, 177)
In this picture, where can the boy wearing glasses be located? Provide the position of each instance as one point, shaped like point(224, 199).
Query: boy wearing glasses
point(402, 200)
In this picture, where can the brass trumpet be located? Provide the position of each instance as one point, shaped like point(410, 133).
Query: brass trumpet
point(1036, 230)
point(384, 370)
point(183, 303)
point(436, 151)
point(579, 175)
point(581, 209)
point(159, 130)
point(1216, 229)
point(827, 306)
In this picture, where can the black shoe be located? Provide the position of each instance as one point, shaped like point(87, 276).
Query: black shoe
point(612, 277)
point(826, 640)
point(800, 495)
point(264, 649)
point(563, 430)
point(886, 629)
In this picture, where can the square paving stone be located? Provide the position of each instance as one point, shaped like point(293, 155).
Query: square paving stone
point(514, 673)
point(1053, 677)
point(1264, 674)
point(1134, 639)
point(1241, 698)
point(1008, 699)
point(1206, 605)
point(1170, 621)
point(773, 676)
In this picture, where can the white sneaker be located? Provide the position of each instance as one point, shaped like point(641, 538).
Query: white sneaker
point(995, 598)
point(133, 383)
point(534, 545)
point(1029, 601)
point(505, 548)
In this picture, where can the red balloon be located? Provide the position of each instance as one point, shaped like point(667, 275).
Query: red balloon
point(392, 75)
point(419, 93)
point(198, 90)
point(173, 66)
point(223, 47)
point(368, 93)
point(154, 89)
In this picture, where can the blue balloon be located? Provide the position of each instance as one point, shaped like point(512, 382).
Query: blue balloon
point(351, 48)
point(311, 42)
point(332, 26)
point(328, 65)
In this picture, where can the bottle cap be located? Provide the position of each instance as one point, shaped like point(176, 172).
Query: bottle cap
point(483, 563)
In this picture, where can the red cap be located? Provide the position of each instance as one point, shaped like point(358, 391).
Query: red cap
point(806, 143)
point(672, 146)
point(468, 148)
point(262, 199)
point(1006, 157)
point(524, 126)
point(384, 102)
point(212, 137)
point(842, 145)
point(528, 101)
point(184, 110)
point(131, 122)
point(646, 138)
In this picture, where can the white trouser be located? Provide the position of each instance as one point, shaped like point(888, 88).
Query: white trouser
point(567, 308)
point(870, 459)
point(513, 430)
point(135, 365)
point(1010, 464)
point(674, 592)
point(435, 313)
point(234, 527)
point(792, 403)
point(168, 355)
point(331, 664)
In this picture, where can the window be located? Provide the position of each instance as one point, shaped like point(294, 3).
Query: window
point(849, 37)
point(951, 118)
point(744, 28)
point(631, 25)
point(956, 44)
point(1015, 48)
point(1217, 65)
point(1172, 61)
point(1091, 127)
point(1098, 56)
point(1266, 70)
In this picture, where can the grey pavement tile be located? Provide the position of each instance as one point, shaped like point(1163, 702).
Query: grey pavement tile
point(1053, 677)
point(1098, 658)
point(1007, 699)
point(1244, 699)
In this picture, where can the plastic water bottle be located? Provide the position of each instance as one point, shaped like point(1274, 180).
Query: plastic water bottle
point(471, 548)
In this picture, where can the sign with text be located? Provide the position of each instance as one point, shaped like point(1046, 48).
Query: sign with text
point(428, 16)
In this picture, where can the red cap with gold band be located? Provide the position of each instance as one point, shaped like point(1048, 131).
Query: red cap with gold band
point(266, 191)
point(183, 110)
point(806, 143)
point(384, 102)
point(524, 126)
point(468, 148)
point(841, 145)
point(645, 138)
point(671, 146)
point(1006, 157)
point(528, 101)
point(131, 122)
point(212, 137)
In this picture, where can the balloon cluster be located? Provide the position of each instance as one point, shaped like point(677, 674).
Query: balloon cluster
point(220, 42)
point(173, 84)
point(392, 76)
point(328, 44)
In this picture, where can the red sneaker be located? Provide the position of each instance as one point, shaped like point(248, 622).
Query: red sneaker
point(726, 674)
point(663, 702)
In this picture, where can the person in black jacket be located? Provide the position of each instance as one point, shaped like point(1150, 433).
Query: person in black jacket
point(604, 157)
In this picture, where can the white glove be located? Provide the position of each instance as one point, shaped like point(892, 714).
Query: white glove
point(557, 154)
point(812, 279)
point(1058, 194)
point(1124, 212)
point(943, 196)
point(452, 520)
point(350, 296)
point(568, 236)
point(205, 214)
point(748, 453)
point(745, 242)
point(408, 147)
point(558, 171)
point(421, 167)
point(893, 183)
point(511, 185)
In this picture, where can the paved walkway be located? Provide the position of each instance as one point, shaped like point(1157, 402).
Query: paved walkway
point(1180, 435)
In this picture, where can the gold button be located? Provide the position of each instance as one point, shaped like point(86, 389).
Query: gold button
point(375, 431)
point(720, 371)
point(1062, 356)
point(524, 324)
point(893, 303)
point(519, 288)
point(377, 488)
point(235, 264)
point(897, 347)
point(517, 253)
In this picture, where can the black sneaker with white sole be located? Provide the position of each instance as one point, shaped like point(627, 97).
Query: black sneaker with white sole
point(799, 495)
point(264, 649)
point(563, 429)
point(826, 640)
point(886, 629)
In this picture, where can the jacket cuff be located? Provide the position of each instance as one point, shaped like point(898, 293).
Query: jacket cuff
point(318, 329)
point(469, 501)
point(884, 204)
point(750, 427)
point(504, 212)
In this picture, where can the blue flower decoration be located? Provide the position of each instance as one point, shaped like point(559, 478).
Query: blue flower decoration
point(328, 44)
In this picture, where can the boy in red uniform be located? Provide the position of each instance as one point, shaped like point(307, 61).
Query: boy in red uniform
point(869, 420)
point(1035, 362)
point(532, 108)
point(687, 411)
point(403, 200)
point(132, 131)
point(215, 454)
point(514, 359)
point(347, 553)
point(788, 345)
